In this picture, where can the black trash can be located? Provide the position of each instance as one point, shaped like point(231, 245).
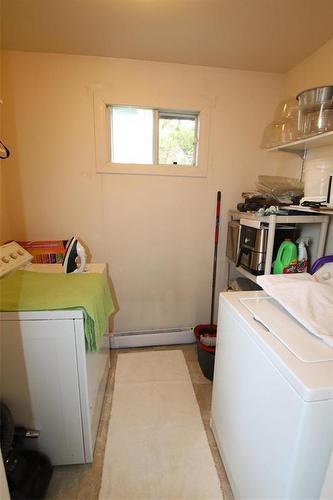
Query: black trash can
point(206, 354)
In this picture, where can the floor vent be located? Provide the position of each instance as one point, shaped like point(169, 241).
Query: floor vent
point(142, 338)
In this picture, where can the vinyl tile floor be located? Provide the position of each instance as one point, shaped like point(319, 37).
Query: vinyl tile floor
point(82, 482)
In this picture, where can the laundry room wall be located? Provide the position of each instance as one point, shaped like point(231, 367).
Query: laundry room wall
point(314, 71)
point(5, 232)
point(155, 232)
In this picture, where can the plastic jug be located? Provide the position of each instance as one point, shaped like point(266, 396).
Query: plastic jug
point(286, 259)
point(302, 259)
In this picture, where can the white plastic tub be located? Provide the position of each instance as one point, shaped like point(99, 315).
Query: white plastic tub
point(316, 176)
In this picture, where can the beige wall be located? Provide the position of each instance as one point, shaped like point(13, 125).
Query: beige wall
point(156, 233)
point(4, 221)
point(314, 71)
point(5, 230)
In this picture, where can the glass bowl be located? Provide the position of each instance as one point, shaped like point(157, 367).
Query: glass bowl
point(279, 132)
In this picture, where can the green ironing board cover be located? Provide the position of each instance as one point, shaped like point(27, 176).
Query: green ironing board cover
point(89, 292)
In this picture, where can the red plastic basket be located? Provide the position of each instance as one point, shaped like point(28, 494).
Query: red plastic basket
point(201, 330)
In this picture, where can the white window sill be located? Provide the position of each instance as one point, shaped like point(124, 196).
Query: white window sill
point(136, 169)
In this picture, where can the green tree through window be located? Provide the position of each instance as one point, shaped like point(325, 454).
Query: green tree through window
point(176, 141)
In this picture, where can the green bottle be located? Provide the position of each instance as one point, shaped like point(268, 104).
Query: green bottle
point(286, 259)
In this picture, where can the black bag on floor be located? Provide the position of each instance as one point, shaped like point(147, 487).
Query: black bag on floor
point(28, 472)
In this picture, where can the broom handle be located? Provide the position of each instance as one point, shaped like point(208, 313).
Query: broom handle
point(216, 242)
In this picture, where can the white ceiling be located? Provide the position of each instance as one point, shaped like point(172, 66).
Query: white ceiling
point(262, 35)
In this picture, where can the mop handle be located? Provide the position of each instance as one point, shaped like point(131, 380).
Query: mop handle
point(216, 242)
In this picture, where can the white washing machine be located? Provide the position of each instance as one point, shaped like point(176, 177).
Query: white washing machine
point(272, 403)
point(48, 380)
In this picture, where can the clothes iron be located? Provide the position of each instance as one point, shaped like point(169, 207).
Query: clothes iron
point(75, 252)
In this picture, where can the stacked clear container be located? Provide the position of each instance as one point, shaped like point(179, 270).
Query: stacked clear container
point(309, 114)
point(284, 128)
point(316, 111)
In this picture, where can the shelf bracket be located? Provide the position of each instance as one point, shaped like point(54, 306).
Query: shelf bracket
point(299, 152)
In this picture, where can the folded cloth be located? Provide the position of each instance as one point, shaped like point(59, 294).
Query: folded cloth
point(33, 291)
point(308, 298)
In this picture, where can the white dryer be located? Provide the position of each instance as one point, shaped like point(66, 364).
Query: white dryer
point(272, 403)
point(49, 381)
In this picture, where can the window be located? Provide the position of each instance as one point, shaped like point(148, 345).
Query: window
point(131, 134)
point(170, 137)
point(177, 138)
point(152, 136)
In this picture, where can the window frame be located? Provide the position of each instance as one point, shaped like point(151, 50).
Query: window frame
point(103, 99)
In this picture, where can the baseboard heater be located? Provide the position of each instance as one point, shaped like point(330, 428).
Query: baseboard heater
point(152, 337)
